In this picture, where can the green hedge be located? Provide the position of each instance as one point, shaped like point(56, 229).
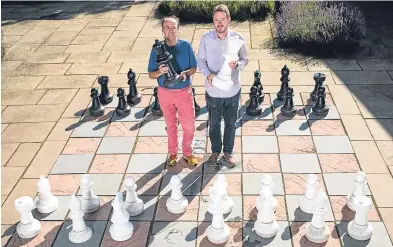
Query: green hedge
point(201, 11)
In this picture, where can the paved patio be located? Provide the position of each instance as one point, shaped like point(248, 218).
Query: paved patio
point(50, 66)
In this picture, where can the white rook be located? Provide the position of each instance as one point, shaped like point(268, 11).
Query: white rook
point(28, 227)
point(266, 225)
point(47, 202)
point(359, 228)
point(177, 203)
point(317, 231)
point(359, 189)
point(121, 229)
point(266, 190)
point(80, 232)
point(221, 182)
point(90, 202)
point(307, 200)
point(133, 204)
point(223, 79)
point(218, 232)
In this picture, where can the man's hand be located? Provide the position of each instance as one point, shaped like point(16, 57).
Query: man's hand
point(233, 64)
point(210, 79)
point(183, 75)
point(163, 69)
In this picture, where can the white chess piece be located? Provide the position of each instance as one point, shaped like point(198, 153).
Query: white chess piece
point(266, 189)
point(121, 229)
point(359, 228)
point(90, 202)
point(80, 232)
point(218, 232)
point(223, 79)
point(221, 182)
point(177, 203)
point(307, 200)
point(28, 227)
point(359, 189)
point(47, 202)
point(266, 225)
point(317, 231)
point(133, 204)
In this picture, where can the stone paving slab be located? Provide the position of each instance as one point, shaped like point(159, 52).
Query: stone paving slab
point(50, 66)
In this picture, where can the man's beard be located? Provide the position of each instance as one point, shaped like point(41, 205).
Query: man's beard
point(218, 29)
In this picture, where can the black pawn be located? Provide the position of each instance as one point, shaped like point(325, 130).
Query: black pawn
point(105, 97)
point(284, 83)
point(254, 108)
point(196, 106)
point(96, 108)
point(258, 84)
point(289, 109)
point(122, 109)
point(319, 78)
point(156, 110)
point(133, 97)
point(320, 108)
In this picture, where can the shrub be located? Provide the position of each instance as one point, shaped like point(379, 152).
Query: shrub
point(2, 45)
point(320, 26)
point(201, 11)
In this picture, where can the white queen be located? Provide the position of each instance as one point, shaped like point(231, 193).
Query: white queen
point(223, 79)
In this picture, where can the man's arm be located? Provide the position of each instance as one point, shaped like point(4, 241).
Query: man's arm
point(243, 58)
point(202, 59)
point(193, 62)
point(152, 68)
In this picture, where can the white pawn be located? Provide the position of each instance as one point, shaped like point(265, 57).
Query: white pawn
point(47, 202)
point(221, 182)
point(307, 200)
point(266, 225)
point(80, 232)
point(317, 231)
point(177, 203)
point(218, 232)
point(28, 227)
point(90, 202)
point(359, 189)
point(133, 204)
point(121, 229)
point(359, 228)
point(266, 189)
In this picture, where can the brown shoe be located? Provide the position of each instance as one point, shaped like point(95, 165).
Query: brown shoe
point(231, 161)
point(172, 160)
point(212, 161)
point(191, 160)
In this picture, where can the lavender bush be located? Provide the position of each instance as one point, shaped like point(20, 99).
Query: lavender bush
point(318, 25)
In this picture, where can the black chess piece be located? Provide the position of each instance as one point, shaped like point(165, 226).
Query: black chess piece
point(289, 108)
point(281, 95)
point(122, 109)
point(105, 97)
point(133, 97)
point(164, 57)
point(320, 108)
point(96, 108)
point(196, 106)
point(319, 78)
point(258, 84)
point(156, 110)
point(254, 108)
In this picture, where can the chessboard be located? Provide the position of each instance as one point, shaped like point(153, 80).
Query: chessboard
point(293, 155)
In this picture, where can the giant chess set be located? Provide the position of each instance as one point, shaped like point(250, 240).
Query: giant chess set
point(314, 203)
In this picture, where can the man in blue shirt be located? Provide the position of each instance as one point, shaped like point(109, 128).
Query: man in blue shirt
point(177, 99)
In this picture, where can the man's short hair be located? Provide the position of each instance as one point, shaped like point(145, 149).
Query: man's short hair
point(170, 17)
point(223, 8)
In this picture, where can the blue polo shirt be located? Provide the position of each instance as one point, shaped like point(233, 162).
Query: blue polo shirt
point(183, 59)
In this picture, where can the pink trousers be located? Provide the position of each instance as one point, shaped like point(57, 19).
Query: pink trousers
point(178, 101)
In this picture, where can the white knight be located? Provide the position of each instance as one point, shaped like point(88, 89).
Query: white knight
point(223, 79)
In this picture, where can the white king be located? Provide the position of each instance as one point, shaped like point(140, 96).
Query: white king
point(223, 79)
